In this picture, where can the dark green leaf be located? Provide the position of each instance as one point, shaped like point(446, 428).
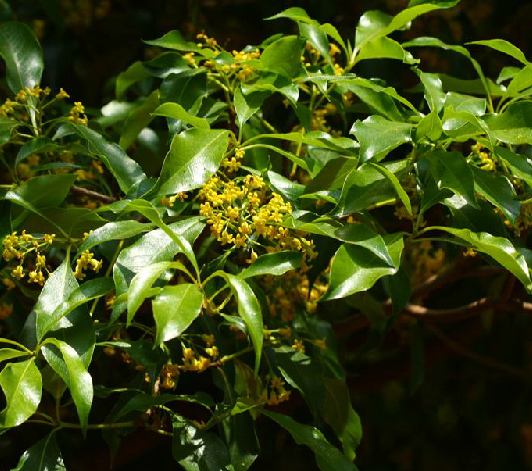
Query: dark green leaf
point(284, 56)
point(176, 111)
point(120, 230)
point(247, 105)
point(131, 75)
point(520, 164)
point(505, 47)
point(46, 190)
point(35, 146)
point(328, 457)
point(138, 119)
point(514, 126)
point(403, 196)
point(43, 456)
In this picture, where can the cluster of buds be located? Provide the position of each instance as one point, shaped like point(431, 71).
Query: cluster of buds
point(26, 249)
point(169, 201)
point(232, 164)
point(86, 261)
point(274, 392)
point(77, 114)
point(17, 108)
point(486, 161)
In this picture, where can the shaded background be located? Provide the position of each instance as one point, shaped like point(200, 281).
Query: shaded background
point(465, 415)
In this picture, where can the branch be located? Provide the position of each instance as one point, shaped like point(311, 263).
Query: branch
point(449, 315)
point(92, 194)
point(475, 356)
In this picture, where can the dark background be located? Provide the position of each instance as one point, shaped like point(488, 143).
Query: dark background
point(465, 415)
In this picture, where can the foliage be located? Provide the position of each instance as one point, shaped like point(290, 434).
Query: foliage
point(189, 230)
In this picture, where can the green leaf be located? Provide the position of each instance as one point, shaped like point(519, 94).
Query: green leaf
point(249, 310)
point(376, 98)
point(514, 126)
point(384, 48)
point(399, 289)
point(141, 285)
point(9, 353)
point(194, 156)
point(275, 264)
point(341, 416)
point(130, 76)
point(356, 269)
point(450, 170)
point(378, 136)
point(138, 119)
point(433, 90)
point(284, 56)
point(332, 32)
point(45, 455)
point(293, 13)
point(519, 164)
point(88, 291)
point(521, 81)
point(176, 111)
point(498, 191)
point(363, 236)
point(22, 386)
point(174, 309)
point(403, 196)
point(126, 171)
point(302, 373)
point(174, 40)
point(327, 456)
point(74, 374)
point(120, 230)
point(470, 104)
point(430, 127)
point(505, 47)
point(35, 146)
point(247, 105)
point(46, 190)
point(6, 126)
point(23, 55)
point(198, 450)
point(316, 37)
point(185, 90)
point(370, 23)
point(498, 248)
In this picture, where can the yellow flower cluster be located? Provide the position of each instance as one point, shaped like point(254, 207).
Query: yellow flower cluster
point(486, 161)
point(77, 114)
point(19, 247)
point(232, 164)
point(274, 392)
point(239, 211)
point(193, 363)
point(168, 374)
point(85, 262)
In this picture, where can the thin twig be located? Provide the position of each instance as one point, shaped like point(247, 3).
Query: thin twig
point(92, 194)
point(450, 315)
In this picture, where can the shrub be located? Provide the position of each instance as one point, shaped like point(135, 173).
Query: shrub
point(194, 240)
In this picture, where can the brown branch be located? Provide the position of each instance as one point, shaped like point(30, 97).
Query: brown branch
point(475, 356)
point(522, 307)
point(450, 315)
point(92, 194)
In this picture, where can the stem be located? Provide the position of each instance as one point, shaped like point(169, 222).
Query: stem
point(12, 342)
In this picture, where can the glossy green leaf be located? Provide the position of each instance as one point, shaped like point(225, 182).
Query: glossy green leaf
point(332, 32)
point(275, 264)
point(176, 111)
point(45, 455)
point(498, 191)
point(520, 164)
point(138, 119)
point(450, 170)
point(174, 309)
point(46, 190)
point(370, 23)
point(249, 310)
point(302, 373)
point(74, 374)
point(378, 136)
point(247, 105)
point(403, 196)
point(9, 353)
point(185, 90)
point(328, 457)
point(520, 82)
point(433, 90)
point(498, 248)
point(194, 156)
point(134, 73)
point(35, 146)
point(126, 171)
point(141, 285)
point(22, 386)
point(470, 104)
point(283, 56)
point(384, 48)
point(6, 126)
point(429, 127)
point(316, 37)
point(505, 47)
point(120, 230)
point(88, 291)
point(355, 269)
point(174, 40)
point(363, 236)
point(198, 450)
point(376, 98)
point(399, 289)
point(514, 126)
point(341, 416)
point(293, 13)
point(22, 54)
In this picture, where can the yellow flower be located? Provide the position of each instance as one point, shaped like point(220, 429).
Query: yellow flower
point(298, 345)
point(18, 272)
point(62, 94)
